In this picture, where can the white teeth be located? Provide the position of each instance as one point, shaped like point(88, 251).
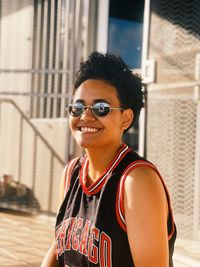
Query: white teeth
point(88, 130)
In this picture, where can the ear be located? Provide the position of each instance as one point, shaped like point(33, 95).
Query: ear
point(127, 118)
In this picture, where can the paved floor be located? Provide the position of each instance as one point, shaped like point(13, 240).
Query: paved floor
point(24, 240)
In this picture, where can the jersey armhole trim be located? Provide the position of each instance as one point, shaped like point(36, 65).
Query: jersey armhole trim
point(120, 211)
point(67, 173)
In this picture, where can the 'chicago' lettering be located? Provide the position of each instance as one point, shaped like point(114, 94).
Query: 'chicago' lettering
point(81, 236)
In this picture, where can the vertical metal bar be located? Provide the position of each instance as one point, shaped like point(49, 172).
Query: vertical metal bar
point(34, 162)
point(46, 59)
point(20, 148)
point(54, 56)
point(38, 28)
point(91, 18)
point(57, 57)
point(51, 57)
point(0, 23)
point(65, 87)
point(78, 32)
point(40, 54)
point(72, 45)
point(143, 126)
point(34, 50)
point(145, 42)
point(71, 63)
point(51, 184)
point(60, 55)
point(0, 117)
point(43, 56)
point(0, 122)
point(102, 21)
point(145, 47)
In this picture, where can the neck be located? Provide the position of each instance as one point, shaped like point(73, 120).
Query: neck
point(99, 160)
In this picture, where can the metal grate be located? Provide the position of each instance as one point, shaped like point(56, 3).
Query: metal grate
point(53, 30)
point(173, 141)
point(171, 145)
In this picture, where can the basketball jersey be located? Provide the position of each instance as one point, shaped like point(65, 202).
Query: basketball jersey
point(90, 226)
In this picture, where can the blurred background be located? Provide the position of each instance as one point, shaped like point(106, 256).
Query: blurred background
point(41, 45)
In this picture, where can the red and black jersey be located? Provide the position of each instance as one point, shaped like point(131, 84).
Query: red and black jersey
point(90, 226)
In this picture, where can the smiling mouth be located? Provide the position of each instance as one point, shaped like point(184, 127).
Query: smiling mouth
point(88, 129)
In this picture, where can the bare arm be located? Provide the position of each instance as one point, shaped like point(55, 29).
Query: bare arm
point(146, 212)
point(50, 257)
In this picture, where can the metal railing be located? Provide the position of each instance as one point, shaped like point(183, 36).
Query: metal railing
point(37, 135)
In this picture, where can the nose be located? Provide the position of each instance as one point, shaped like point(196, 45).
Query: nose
point(87, 115)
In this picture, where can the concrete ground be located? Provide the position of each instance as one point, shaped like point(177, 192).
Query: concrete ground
point(24, 240)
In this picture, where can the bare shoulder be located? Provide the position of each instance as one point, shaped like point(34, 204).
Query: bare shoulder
point(146, 212)
point(143, 187)
point(62, 187)
point(145, 179)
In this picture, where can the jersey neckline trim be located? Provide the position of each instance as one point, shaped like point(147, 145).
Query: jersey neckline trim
point(98, 184)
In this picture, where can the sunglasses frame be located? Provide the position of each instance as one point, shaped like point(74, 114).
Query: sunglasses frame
point(70, 107)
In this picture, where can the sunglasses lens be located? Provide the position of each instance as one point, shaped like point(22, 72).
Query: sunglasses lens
point(101, 109)
point(76, 109)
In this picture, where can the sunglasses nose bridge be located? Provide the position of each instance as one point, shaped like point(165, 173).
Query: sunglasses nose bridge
point(87, 111)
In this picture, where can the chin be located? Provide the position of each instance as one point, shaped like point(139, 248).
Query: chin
point(86, 144)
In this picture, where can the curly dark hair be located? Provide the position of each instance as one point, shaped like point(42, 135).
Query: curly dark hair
point(112, 70)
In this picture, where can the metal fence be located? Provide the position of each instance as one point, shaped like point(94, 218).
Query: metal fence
point(22, 191)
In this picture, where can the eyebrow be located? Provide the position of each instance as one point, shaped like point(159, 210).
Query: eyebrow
point(94, 101)
point(101, 100)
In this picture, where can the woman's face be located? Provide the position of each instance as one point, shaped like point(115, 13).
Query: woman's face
point(91, 131)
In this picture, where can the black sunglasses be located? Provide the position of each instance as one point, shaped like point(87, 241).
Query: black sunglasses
point(99, 109)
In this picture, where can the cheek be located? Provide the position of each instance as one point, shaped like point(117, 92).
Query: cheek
point(72, 122)
point(115, 123)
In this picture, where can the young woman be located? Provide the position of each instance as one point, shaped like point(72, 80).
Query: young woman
point(115, 206)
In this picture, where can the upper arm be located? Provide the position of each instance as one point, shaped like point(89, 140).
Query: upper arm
point(146, 213)
point(50, 258)
point(62, 188)
point(66, 179)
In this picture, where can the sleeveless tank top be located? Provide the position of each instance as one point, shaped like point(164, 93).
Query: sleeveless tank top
point(90, 226)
